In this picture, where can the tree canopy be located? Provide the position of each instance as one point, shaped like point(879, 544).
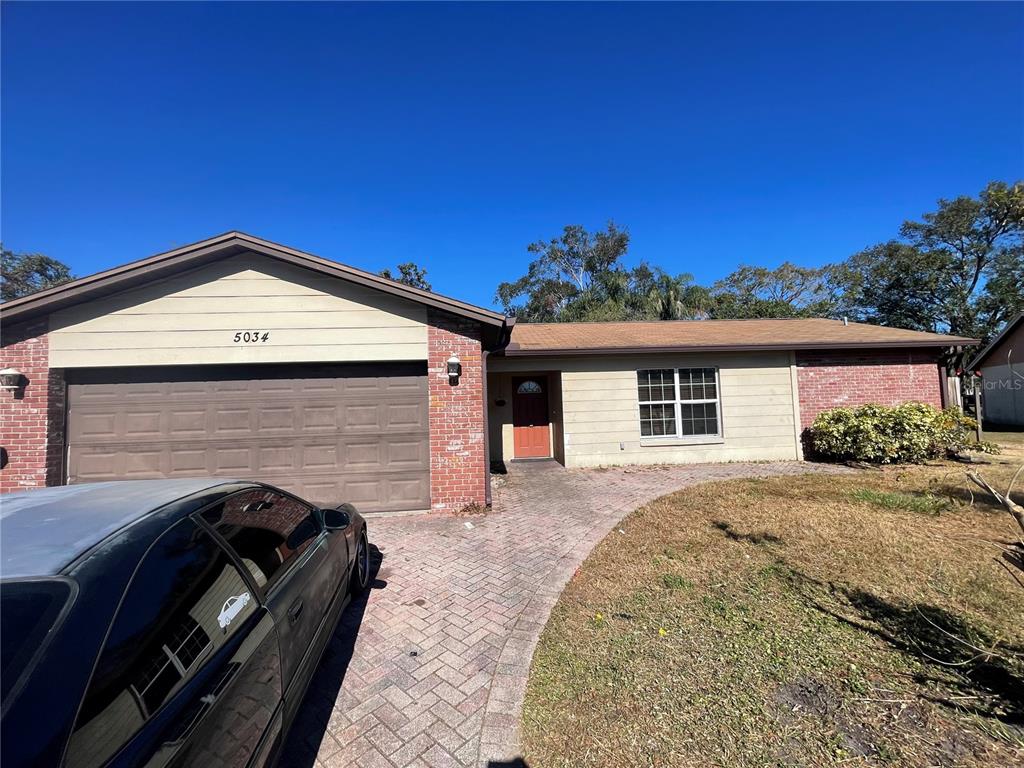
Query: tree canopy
point(960, 270)
point(410, 274)
point(786, 291)
point(25, 273)
point(580, 276)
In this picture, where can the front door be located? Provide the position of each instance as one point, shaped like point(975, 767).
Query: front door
point(530, 420)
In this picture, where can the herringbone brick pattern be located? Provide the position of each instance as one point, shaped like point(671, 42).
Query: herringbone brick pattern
point(442, 646)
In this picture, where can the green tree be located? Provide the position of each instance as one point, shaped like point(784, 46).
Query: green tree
point(677, 297)
point(958, 270)
point(579, 276)
point(25, 273)
point(1003, 296)
point(410, 274)
point(786, 291)
point(573, 277)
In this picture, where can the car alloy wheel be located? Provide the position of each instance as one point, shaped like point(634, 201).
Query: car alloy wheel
point(362, 562)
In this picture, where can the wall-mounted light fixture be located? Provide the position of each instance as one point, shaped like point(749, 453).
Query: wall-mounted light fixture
point(11, 379)
point(454, 370)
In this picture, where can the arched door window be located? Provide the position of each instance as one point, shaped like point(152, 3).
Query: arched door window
point(529, 387)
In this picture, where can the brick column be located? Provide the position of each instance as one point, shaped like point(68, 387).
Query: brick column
point(32, 418)
point(458, 475)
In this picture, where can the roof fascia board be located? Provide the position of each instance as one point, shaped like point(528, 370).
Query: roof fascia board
point(436, 300)
point(153, 267)
point(510, 351)
point(111, 281)
point(979, 360)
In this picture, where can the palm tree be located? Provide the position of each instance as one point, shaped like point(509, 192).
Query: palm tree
point(678, 298)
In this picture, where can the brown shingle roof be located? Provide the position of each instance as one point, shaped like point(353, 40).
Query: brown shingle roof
point(810, 333)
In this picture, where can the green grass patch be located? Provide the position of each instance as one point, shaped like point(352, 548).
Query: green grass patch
point(675, 581)
point(924, 504)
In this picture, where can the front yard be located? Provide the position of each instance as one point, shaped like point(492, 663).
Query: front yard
point(857, 619)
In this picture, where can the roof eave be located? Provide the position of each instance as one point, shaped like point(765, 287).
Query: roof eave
point(514, 351)
point(979, 359)
point(162, 264)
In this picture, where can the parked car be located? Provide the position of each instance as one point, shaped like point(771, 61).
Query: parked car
point(165, 622)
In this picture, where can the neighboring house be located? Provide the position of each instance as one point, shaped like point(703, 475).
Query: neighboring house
point(1002, 375)
point(236, 356)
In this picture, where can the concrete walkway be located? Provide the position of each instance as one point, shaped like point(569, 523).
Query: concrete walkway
point(430, 669)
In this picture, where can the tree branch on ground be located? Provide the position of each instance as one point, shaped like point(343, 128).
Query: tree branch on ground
point(1011, 555)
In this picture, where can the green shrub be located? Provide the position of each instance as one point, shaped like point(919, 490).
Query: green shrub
point(908, 433)
point(985, 447)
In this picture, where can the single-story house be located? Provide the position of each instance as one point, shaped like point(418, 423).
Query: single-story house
point(1001, 364)
point(236, 356)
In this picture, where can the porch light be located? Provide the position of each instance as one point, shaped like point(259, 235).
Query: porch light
point(454, 370)
point(11, 379)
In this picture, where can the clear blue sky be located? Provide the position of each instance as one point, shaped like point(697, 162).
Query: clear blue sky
point(454, 135)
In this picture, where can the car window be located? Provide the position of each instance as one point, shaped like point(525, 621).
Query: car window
point(185, 600)
point(267, 530)
point(28, 611)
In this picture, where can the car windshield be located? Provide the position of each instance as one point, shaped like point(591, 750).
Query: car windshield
point(28, 611)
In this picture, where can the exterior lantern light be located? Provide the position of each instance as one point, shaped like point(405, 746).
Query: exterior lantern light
point(11, 379)
point(454, 370)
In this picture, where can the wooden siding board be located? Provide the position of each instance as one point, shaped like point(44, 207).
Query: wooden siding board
point(192, 318)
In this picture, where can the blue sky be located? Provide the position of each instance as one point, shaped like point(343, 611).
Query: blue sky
point(455, 135)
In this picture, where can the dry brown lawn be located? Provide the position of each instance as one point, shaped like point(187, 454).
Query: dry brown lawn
point(858, 619)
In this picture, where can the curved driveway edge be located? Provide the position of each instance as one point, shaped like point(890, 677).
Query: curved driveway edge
point(442, 648)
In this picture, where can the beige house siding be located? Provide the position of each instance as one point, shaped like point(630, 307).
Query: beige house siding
point(192, 319)
point(600, 411)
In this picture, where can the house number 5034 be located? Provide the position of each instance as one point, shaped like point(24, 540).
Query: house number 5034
point(251, 337)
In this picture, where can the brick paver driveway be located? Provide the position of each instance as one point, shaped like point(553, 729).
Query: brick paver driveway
point(431, 668)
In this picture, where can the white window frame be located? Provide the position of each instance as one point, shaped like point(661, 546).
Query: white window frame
point(677, 404)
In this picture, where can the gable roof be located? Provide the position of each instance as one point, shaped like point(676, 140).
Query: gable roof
point(229, 244)
point(714, 335)
point(1009, 328)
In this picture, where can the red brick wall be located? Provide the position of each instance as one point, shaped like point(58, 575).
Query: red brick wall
point(458, 471)
point(32, 418)
point(840, 379)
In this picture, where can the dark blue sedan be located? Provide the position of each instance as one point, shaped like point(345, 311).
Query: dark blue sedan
point(165, 622)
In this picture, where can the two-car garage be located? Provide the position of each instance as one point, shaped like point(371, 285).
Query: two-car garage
point(355, 433)
point(240, 358)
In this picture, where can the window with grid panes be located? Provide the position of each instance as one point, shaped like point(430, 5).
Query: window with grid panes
point(678, 402)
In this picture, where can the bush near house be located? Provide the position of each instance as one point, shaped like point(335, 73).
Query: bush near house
point(904, 434)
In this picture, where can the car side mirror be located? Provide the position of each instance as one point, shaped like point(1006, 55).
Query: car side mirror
point(337, 519)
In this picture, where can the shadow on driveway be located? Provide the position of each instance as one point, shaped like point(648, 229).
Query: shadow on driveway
point(310, 726)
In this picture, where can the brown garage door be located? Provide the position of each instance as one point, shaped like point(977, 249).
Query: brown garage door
point(357, 434)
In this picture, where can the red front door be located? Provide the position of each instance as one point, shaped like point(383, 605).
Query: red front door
point(530, 420)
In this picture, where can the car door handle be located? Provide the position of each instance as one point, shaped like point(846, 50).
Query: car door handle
point(295, 611)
